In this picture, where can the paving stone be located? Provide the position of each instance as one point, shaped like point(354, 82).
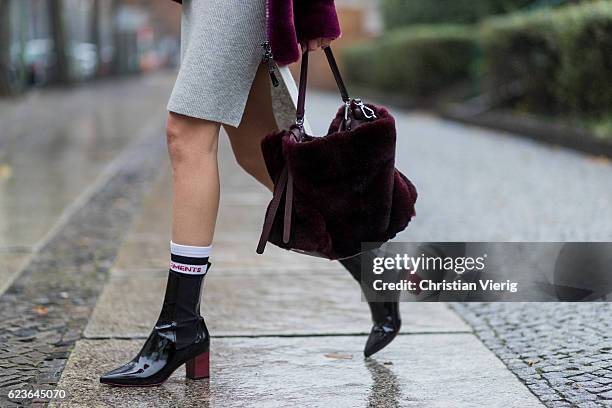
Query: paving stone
point(426, 371)
point(588, 404)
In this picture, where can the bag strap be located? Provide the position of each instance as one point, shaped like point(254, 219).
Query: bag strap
point(299, 119)
point(333, 65)
point(337, 76)
point(279, 190)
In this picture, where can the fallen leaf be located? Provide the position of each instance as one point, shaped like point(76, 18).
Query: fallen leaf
point(339, 356)
point(41, 310)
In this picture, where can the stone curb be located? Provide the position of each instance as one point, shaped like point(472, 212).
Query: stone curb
point(531, 127)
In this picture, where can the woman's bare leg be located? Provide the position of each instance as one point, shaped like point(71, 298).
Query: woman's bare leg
point(258, 120)
point(192, 144)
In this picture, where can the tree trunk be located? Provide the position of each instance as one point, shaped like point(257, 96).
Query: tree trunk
point(94, 25)
point(60, 41)
point(6, 87)
point(117, 43)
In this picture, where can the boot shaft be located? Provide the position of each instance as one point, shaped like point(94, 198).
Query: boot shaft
point(181, 307)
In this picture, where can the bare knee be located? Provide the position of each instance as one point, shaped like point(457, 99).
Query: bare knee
point(190, 141)
point(175, 127)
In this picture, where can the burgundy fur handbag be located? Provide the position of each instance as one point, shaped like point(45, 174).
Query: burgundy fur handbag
point(334, 192)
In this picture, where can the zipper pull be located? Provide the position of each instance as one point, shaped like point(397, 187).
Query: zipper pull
point(269, 59)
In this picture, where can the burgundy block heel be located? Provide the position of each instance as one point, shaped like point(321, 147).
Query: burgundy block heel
point(198, 367)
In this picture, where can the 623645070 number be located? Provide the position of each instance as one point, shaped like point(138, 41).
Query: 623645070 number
point(38, 394)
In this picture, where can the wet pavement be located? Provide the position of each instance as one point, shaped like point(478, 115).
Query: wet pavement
point(285, 327)
point(288, 329)
point(446, 370)
point(54, 145)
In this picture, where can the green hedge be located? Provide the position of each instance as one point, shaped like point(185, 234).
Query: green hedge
point(415, 62)
point(400, 13)
point(562, 59)
point(522, 49)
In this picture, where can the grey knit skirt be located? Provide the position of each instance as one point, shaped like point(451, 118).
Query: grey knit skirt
point(220, 53)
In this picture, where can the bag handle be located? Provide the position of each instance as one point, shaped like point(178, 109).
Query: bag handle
point(337, 76)
point(300, 112)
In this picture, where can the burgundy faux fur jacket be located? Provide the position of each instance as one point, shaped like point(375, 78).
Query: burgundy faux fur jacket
point(293, 21)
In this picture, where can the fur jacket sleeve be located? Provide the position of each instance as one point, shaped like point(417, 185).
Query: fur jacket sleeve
point(293, 21)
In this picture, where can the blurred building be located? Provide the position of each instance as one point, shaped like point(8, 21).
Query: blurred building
point(361, 17)
point(150, 30)
point(98, 37)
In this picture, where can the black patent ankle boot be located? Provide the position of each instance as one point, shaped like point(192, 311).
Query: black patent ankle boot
point(385, 315)
point(179, 337)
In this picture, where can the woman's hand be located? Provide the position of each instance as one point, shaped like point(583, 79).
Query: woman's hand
point(313, 45)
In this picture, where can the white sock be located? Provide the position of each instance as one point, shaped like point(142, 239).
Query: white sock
point(190, 260)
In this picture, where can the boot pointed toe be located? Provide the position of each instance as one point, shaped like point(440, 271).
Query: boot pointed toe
point(385, 314)
point(380, 337)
